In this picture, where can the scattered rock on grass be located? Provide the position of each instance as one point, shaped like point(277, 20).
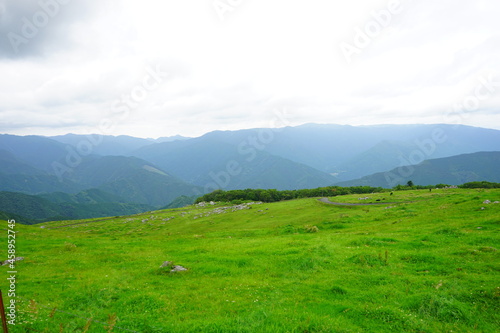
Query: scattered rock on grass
point(178, 268)
point(10, 261)
point(166, 264)
point(175, 268)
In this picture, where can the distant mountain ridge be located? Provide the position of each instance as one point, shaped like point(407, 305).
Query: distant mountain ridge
point(172, 138)
point(104, 144)
point(341, 150)
point(454, 170)
point(36, 151)
point(112, 145)
point(212, 163)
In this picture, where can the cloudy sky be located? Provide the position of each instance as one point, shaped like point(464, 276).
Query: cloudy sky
point(154, 68)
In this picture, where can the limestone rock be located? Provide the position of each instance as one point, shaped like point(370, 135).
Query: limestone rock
point(166, 264)
point(10, 261)
point(178, 268)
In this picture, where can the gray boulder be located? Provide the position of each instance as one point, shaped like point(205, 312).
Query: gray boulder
point(178, 268)
point(166, 264)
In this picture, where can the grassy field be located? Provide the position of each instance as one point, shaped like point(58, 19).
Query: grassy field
point(427, 263)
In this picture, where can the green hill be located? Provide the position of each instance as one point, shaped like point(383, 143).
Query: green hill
point(37, 184)
point(422, 262)
point(30, 209)
point(27, 166)
point(453, 170)
point(90, 196)
point(132, 179)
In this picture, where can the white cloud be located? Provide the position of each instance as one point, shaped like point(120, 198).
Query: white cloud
point(231, 74)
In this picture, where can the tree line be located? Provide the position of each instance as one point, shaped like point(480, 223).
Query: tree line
point(480, 185)
point(275, 195)
point(272, 195)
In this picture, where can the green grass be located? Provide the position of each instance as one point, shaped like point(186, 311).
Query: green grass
point(429, 263)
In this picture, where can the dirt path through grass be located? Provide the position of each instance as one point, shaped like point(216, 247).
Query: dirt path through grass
point(325, 200)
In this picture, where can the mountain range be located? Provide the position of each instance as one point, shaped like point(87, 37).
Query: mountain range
point(126, 173)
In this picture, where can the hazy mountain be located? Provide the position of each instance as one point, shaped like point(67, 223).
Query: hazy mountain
point(455, 170)
point(132, 179)
point(36, 151)
point(381, 157)
point(111, 145)
point(36, 184)
point(211, 162)
point(171, 138)
point(103, 144)
point(11, 165)
point(429, 141)
point(19, 176)
point(343, 150)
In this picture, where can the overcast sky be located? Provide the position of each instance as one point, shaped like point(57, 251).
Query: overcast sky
point(154, 68)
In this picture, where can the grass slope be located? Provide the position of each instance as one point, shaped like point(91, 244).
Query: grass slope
point(427, 263)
